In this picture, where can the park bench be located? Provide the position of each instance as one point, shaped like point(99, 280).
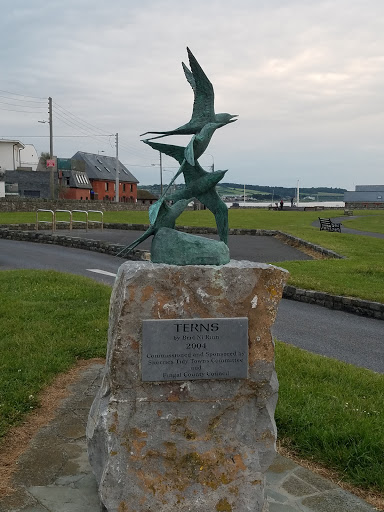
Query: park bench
point(328, 225)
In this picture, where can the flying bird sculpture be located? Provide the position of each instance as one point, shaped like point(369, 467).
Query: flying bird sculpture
point(203, 105)
point(199, 184)
point(160, 216)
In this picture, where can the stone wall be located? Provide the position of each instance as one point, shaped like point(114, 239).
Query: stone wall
point(43, 237)
point(359, 205)
point(16, 204)
point(350, 304)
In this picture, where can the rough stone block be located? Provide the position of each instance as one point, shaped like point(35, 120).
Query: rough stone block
point(186, 445)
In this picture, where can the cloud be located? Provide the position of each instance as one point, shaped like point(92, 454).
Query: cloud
point(305, 77)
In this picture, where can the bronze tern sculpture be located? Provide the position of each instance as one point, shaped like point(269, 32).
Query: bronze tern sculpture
point(199, 183)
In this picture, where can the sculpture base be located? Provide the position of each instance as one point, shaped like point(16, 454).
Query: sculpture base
point(186, 445)
point(177, 248)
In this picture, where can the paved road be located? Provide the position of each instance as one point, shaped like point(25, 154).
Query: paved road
point(350, 338)
point(353, 339)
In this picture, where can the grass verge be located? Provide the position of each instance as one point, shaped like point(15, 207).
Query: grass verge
point(48, 321)
point(332, 413)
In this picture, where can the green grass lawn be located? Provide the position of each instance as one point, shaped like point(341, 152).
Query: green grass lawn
point(48, 321)
point(328, 411)
point(332, 413)
point(361, 274)
point(374, 223)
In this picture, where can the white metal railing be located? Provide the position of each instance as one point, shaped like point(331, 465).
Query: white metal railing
point(85, 222)
point(54, 222)
point(45, 221)
point(101, 222)
point(64, 221)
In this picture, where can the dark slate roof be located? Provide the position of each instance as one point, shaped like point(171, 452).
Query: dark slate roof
point(145, 194)
point(77, 179)
point(100, 167)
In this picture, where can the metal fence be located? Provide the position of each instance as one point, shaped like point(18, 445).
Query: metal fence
point(70, 221)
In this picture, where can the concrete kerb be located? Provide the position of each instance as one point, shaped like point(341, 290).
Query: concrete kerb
point(26, 232)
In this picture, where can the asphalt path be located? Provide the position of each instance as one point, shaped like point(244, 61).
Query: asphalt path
point(349, 338)
point(253, 248)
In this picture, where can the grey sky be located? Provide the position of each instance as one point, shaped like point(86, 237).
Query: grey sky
point(306, 78)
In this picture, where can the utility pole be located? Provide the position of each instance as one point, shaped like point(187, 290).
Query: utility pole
point(52, 175)
point(161, 175)
point(50, 128)
point(117, 169)
point(297, 193)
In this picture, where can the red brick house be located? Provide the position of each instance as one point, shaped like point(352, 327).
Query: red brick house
point(73, 182)
point(94, 177)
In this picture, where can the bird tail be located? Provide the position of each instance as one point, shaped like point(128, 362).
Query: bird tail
point(142, 134)
point(126, 250)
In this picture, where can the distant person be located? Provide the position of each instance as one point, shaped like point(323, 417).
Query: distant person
point(277, 206)
point(281, 204)
point(291, 202)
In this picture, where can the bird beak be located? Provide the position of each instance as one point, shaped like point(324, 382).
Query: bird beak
point(233, 120)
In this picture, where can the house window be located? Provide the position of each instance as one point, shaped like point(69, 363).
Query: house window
point(67, 181)
point(131, 187)
point(106, 186)
point(123, 187)
point(98, 168)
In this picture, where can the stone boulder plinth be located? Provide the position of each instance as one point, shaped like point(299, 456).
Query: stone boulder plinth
point(186, 445)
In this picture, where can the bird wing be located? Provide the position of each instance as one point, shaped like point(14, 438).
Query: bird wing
point(189, 153)
point(192, 172)
point(189, 77)
point(203, 105)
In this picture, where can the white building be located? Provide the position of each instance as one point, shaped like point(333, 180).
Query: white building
point(29, 157)
point(10, 154)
